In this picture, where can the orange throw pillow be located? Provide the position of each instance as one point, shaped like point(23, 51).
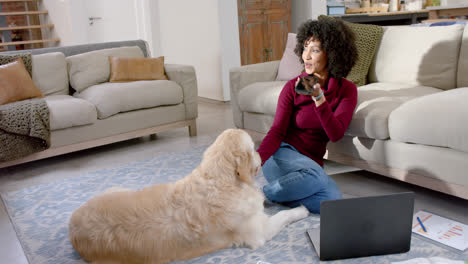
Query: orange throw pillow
point(136, 69)
point(16, 84)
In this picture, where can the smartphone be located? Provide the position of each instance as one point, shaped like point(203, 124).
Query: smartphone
point(301, 89)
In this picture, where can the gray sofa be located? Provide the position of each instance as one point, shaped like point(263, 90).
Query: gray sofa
point(411, 121)
point(87, 111)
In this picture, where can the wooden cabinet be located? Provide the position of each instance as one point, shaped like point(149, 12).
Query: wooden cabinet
point(263, 29)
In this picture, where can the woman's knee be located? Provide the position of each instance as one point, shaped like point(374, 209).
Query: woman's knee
point(312, 203)
point(333, 192)
point(316, 176)
point(271, 171)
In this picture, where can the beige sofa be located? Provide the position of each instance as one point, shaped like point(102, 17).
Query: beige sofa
point(411, 120)
point(87, 111)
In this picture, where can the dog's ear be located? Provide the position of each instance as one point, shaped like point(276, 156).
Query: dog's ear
point(244, 167)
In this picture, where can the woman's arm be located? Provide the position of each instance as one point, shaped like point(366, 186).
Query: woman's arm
point(336, 123)
point(278, 130)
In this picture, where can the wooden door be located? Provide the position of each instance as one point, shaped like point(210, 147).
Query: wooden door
point(263, 29)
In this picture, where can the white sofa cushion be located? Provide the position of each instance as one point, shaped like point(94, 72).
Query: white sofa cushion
point(93, 67)
point(425, 56)
point(260, 97)
point(67, 111)
point(49, 73)
point(113, 98)
point(438, 120)
point(462, 76)
point(375, 103)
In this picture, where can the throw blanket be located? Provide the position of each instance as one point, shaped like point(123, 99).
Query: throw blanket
point(24, 128)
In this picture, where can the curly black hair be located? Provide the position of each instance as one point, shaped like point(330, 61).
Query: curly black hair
point(337, 40)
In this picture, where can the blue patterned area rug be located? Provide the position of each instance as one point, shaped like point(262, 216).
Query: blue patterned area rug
point(40, 216)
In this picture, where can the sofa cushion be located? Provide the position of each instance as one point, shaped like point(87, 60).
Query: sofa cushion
point(290, 65)
point(90, 68)
point(67, 111)
point(438, 120)
point(260, 97)
point(16, 84)
point(426, 56)
point(462, 77)
point(375, 103)
point(49, 73)
point(112, 98)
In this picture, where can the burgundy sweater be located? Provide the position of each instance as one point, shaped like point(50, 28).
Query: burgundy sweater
point(306, 127)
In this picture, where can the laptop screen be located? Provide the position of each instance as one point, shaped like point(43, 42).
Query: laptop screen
point(366, 226)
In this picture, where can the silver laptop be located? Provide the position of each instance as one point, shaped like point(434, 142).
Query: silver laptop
point(365, 226)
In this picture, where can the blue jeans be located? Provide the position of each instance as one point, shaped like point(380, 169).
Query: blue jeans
point(295, 179)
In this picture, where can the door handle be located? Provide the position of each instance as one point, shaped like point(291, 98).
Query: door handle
point(92, 19)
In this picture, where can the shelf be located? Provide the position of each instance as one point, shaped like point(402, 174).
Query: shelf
point(376, 9)
point(29, 42)
point(26, 27)
point(436, 12)
point(24, 13)
point(387, 18)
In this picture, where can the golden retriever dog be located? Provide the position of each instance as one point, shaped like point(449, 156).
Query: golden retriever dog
point(214, 207)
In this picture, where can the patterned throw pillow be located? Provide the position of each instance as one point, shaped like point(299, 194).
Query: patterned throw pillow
point(367, 41)
point(25, 57)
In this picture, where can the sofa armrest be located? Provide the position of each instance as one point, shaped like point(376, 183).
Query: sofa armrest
point(240, 77)
point(184, 75)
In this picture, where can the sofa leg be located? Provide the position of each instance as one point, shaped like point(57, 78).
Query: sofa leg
point(193, 128)
point(153, 136)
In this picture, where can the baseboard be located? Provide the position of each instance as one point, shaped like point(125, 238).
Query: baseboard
point(212, 101)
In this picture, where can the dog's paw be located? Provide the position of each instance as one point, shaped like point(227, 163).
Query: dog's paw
point(116, 189)
point(256, 244)
point(299, 213)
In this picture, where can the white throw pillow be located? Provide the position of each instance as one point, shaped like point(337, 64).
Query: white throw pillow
point(418, 55)
point(49, 73)
point(90, 68)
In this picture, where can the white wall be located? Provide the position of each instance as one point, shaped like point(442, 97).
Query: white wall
point(230, 44)
point(60, 15)
point(190, 34)
point(154, 42)
point(70, 18)
point(304, 10)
